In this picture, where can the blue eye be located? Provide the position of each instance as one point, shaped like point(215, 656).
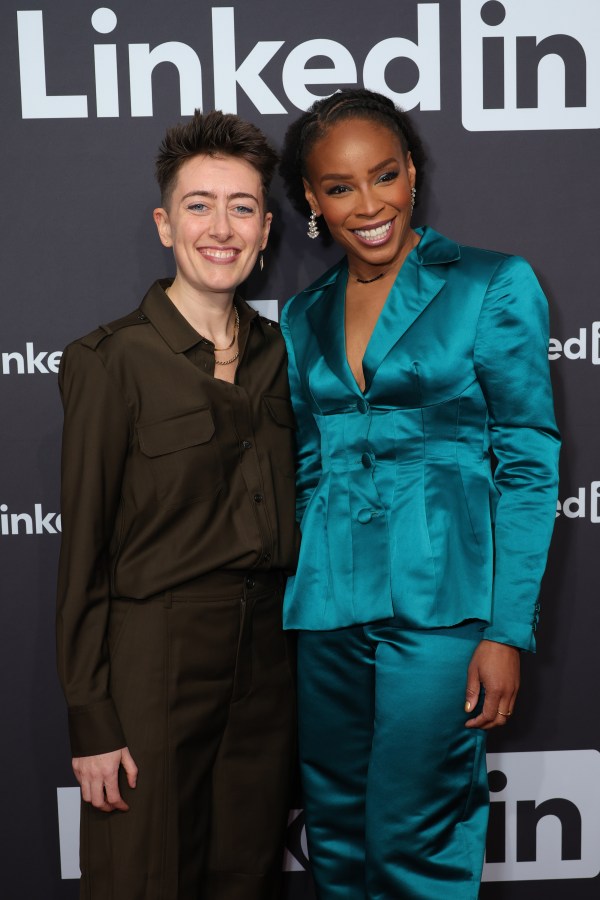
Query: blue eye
point(197, 207)
point(244, 210)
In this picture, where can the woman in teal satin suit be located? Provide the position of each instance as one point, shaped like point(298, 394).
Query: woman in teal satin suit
point(413, 363)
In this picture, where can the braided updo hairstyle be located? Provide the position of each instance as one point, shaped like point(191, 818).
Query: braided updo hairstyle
point(353, 103)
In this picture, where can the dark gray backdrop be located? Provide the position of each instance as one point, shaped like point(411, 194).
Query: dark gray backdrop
point(79, 248)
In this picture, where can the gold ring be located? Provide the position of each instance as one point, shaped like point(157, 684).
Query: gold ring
point(505, 715)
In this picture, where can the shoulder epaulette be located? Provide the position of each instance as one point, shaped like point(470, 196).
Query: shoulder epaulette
point(137, 317)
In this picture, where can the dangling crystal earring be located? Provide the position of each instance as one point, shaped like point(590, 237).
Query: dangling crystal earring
point(261, 262)
point(413, 194)
point(313, 228)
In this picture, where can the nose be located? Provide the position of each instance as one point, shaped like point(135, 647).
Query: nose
point(220, 225)
point(369, 204)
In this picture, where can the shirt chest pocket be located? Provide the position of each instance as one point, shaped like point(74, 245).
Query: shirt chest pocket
point(183, 457)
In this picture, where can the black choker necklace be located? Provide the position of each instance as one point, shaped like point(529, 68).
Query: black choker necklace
point(369, 280)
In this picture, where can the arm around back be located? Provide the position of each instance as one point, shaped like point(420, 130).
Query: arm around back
point(308, 438)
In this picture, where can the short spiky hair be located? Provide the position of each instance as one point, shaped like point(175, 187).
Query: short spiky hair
point(214, 134)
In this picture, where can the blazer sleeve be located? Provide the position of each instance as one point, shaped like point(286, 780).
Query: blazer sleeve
point(96, 436)
point(511, 361)
point(308, 437)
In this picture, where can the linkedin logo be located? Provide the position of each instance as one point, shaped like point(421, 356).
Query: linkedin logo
point(525, 64)
point(544, 819)
point(544, 815)
point(530, 64)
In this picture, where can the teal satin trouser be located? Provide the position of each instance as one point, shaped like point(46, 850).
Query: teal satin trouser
point(395, 786)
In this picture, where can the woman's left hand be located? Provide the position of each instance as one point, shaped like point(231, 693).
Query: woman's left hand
point(495, 668)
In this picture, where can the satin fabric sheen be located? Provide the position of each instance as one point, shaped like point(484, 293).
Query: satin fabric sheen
point(426, 505)
point(400, 513)
point(395, 786)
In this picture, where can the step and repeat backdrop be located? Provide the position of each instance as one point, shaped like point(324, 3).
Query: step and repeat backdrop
point(507, 97)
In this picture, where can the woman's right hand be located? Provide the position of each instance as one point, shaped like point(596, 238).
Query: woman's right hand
point(98, 777)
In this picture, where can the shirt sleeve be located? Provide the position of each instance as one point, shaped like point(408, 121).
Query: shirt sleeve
point(511, 361)
point(308, 437)
point(96, 437)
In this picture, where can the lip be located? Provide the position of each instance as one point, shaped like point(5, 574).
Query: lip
point(380, 239)
point(220, 256)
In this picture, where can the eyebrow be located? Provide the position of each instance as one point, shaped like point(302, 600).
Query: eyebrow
point(337, 176)
point(237, 195)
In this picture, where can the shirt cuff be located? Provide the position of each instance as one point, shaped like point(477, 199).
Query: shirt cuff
point(95, 729)
point(520, 636)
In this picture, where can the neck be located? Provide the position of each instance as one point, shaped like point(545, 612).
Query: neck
point(209, 314)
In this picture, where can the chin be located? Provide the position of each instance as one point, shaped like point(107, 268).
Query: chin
point(380, 256)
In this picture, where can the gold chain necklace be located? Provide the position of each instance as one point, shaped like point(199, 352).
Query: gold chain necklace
point(236, 328)
point(236, 324)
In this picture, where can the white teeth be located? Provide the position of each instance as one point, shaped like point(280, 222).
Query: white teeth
point(220, 254)
point(373, 233)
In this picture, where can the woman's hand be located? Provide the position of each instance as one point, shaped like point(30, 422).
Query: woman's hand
point(496, 668)
point(99, 778)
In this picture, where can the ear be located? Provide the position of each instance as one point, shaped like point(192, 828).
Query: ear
point(163, 225)
point(410, 168)
point(266, 229)
point(310, 197)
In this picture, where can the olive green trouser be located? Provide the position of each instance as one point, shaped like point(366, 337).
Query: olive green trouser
point(203, 685)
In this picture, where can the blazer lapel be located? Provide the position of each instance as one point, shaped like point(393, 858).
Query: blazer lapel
point(417, 284)
point(326, 316)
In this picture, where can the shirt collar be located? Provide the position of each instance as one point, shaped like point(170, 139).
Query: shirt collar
point(174, 328)
point(435, 249)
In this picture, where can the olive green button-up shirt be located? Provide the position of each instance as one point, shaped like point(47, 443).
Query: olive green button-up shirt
point(167, 474)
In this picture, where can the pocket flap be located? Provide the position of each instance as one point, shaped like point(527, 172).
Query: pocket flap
point(170, 435)
point(281, 410)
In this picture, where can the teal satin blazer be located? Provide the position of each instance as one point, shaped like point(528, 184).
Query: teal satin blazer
point(403, 513)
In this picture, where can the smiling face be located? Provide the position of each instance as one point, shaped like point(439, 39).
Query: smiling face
point(215, 223)
point(360, 180)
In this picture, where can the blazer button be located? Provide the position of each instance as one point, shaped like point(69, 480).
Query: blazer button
point(246, 445)
point(362, 406)
point(258, 498)
point(364, 516)
point(367, 460)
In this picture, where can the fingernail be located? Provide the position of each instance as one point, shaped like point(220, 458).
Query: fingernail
point(468, 706)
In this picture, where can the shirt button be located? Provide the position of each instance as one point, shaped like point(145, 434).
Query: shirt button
point(250, 582)
point(141, 317)
point(364, 516)
point(367, 460)
point(362, 406)
point(246, 445)
point(258, 498)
